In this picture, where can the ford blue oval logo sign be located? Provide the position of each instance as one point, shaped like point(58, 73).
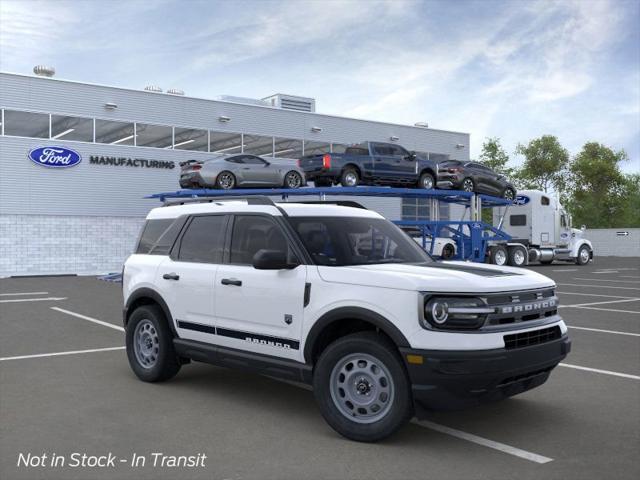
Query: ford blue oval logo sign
point(55, 157)
point(521, 200)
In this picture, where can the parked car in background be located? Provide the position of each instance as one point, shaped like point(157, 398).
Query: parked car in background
point(244, 170)
point(474, 177)
point(443, 247)
point(371, 163)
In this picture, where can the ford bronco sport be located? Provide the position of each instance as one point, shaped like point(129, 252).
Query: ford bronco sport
point(339, 298)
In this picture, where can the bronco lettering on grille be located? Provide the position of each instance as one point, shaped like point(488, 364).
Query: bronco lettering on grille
point(528, 307)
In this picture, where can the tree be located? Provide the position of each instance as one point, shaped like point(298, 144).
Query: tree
point(600, 194)
point(545, 164)
point(495, 157)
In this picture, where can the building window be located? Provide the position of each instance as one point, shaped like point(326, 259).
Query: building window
point(157, 136)
point(26, 124)
point(415, 209)
point(316, 148)
point(71, 128)
point(287, 148)
point(114, 133)
point(258, 145)
point(225, 143)
point(191, 139)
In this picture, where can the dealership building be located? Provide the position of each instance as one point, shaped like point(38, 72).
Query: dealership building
point(126, 144)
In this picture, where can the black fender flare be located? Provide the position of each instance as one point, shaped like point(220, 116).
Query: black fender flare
point(145, 292)
point(352, 313)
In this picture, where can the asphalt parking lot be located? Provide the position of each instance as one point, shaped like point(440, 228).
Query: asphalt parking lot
point(65, 387)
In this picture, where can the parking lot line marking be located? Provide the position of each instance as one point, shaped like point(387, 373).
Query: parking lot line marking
point(609, 310)
point(606, 271)
point(532, 457)
point(598, 303)
point(47, 299)
point(597, 370)
point(88, 319)
point(592, 294)
point(629, 276)
point(57, 354)
point(607, 280)
point(597, 286)
point(23, 293)
point(605, 331)
point(566, 270)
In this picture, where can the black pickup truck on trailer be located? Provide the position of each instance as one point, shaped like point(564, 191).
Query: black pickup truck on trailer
point(371, 163)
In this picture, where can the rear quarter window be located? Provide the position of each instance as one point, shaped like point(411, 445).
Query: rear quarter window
point(151, 232)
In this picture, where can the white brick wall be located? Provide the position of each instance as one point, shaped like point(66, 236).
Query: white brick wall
point(607, 242)
point(46, 244)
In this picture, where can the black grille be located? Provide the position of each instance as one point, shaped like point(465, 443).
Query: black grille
point(518, 299)
point(534, 337)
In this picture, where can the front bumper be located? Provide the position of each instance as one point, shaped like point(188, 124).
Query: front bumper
point(449, 380)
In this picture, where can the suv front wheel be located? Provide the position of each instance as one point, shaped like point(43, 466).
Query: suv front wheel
point(150, 345)
point(361, 387)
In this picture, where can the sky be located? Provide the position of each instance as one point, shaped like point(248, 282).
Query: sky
point(513, 69)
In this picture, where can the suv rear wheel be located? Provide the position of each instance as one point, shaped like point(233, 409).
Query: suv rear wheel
point(150, 345)
point(361, 387)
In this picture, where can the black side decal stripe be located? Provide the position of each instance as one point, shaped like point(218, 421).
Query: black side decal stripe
point(240, 335)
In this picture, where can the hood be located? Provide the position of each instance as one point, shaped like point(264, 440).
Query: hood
point(444, 277)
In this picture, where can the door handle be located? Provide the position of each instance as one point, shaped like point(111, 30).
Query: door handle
point(231, 281)
point(171, 276)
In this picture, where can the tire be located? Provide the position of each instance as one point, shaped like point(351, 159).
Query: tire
point(349, 177)
point(509, 194)
point(226, 180)
point(499, 255)
point(332, 376)
point(149, 344)
point(518, 257)
point(293, 180)
point(426, 181)
point(448, 251)
point(584, 255)
point(468, 185)
point(322, 182)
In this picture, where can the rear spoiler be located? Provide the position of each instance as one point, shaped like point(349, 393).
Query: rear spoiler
point(189, 162)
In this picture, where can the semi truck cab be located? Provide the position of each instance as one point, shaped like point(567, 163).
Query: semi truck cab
point(540, 224)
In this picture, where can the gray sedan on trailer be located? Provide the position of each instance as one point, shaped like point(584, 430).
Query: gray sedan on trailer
point(244, 170)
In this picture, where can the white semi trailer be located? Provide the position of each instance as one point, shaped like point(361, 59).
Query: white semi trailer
point(541, 232)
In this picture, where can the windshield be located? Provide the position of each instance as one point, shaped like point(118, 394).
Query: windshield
point(344, 241)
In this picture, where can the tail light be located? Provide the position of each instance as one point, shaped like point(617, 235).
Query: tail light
point(454, 170)
point(196, 167)
point(299, 162)
point(326, 161)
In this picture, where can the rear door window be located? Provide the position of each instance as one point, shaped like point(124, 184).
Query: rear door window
point(252, 233)
point(203, 240)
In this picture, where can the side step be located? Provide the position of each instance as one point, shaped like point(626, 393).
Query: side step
point(248, 361)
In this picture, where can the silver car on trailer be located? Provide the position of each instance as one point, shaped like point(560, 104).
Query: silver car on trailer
point(243, 170)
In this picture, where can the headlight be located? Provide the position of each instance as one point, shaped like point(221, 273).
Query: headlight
point(455, 313)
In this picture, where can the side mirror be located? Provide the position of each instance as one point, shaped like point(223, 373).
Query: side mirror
point(272, 260)
point(411, 156)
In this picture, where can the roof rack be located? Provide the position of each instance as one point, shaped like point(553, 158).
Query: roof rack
point(341, 203)
point(251, 200)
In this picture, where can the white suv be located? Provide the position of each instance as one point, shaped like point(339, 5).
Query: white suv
point(337, 297)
